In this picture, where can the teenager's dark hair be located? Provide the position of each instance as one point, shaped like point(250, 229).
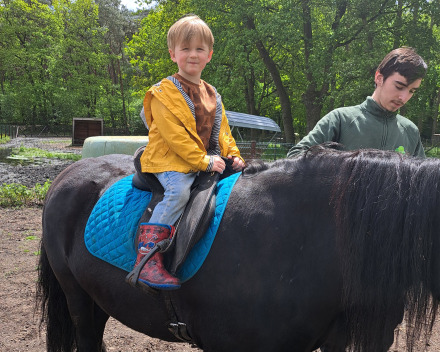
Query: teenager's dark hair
point(404, 61)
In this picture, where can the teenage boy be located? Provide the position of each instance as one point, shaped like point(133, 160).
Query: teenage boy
point(189, 132)
point(375, 123)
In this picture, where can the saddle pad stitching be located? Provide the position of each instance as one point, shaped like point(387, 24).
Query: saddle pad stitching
point(115, 211)
point(104, 250)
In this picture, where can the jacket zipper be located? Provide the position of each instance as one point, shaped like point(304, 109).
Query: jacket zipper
point(385, 134)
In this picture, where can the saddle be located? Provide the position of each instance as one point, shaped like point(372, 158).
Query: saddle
point(193, 223)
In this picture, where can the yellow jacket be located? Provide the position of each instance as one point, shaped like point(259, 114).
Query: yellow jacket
point(174, 144)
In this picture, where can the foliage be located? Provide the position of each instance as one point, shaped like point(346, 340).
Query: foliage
point(16, 195)
point(40, 153)
point(317, 55)
point(4, 139)
point(57, 62)
point(433, 152)
point(290, 60)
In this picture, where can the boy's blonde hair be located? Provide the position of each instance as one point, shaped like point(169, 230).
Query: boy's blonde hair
point(184, 29)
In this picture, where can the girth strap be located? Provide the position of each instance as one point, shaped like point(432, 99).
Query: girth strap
point(177, 328)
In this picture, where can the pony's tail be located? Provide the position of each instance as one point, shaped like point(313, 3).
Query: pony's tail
point(52, 304)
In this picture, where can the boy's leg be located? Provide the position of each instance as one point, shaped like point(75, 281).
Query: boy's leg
point(177, 187)
point(177, 192)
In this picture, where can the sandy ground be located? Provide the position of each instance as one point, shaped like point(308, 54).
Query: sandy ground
point(20, 234)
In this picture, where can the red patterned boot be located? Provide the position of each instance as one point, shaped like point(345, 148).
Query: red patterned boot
point(154, 273)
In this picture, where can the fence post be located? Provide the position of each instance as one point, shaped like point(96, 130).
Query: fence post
point(253, 147)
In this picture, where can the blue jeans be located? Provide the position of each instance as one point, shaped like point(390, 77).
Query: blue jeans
point(177, 187)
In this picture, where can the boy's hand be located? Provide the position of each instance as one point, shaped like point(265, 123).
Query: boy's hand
point(237, 163)
point(219, 164)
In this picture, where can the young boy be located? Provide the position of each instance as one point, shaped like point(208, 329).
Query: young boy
point(189, 132)
point(375, 123)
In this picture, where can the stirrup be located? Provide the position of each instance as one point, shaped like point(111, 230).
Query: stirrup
point(133, 277)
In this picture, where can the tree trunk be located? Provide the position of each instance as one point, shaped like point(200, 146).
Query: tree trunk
point(282, 93)
point(435, 114)
point(369, 35)
point(313, 104)
point(420, 124)
point(281, 90)
point(250, 92)
point(398, 26)
point(123, 98)
point(313, 97)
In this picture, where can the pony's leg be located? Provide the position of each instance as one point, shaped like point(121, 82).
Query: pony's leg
point(337, 338)
point(88, 318)
point(101, 318)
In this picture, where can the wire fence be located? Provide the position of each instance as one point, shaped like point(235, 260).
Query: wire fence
point(61, 131)
point(432, 147)
point(10, 131)
point(262, 150)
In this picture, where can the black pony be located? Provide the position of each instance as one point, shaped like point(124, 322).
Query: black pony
point(325, 249)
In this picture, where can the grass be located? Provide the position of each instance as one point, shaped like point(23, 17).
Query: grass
point(4, 139)
point(433, 153)
point(17, 195)
point(57, 142)
point(29, 238)
point(31, 153)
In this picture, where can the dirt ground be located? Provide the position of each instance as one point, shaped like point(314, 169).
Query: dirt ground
point(20, 233)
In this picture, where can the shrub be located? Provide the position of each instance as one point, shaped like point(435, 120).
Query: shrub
point(17, 195)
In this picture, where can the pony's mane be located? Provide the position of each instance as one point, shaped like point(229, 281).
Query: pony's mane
point(386, 211)
point(256, 166)
point(386, 206)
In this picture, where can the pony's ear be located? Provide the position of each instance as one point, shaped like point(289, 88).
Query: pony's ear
point(332, 145)
point(326, 145)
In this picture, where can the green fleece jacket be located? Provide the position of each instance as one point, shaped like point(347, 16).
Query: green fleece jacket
point(363, 126)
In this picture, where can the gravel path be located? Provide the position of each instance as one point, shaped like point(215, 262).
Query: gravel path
point(45, 169)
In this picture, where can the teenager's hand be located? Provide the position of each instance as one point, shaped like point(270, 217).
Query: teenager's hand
point(219, 164)
point(237, 164)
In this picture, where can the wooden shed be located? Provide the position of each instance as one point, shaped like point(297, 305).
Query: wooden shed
point(86, 127)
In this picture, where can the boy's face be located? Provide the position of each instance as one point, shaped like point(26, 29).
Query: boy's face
point(395, 91)
point(191, 58)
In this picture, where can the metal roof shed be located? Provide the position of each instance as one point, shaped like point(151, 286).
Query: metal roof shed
point(238, 119)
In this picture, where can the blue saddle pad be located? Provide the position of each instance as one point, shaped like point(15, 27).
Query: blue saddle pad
point(111, 228)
